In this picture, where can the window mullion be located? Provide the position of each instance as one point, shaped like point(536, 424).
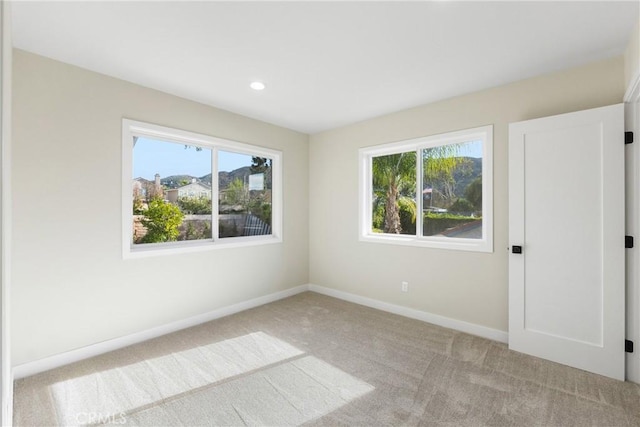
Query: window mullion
point(368, 197)
point(215, 197)
point(419, 195)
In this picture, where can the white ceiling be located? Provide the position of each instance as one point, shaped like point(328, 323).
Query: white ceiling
point(326, 64)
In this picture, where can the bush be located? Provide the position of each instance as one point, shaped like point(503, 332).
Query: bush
point(195, 230)
point(462, 205)
point(138, 206)
point(195, 205)
point(162, 221)
point(260, 209)
point(378, 217)
point(407, 215)
point(436, 223)
point(265, 213)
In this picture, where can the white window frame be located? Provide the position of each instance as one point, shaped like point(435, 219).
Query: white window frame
point(132, 128)
point(366, 154)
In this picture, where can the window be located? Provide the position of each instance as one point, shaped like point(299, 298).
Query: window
point(434, 191)
point(187, 192)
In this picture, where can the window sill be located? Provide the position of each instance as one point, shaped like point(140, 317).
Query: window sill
point(471, 245)
point(175, 248)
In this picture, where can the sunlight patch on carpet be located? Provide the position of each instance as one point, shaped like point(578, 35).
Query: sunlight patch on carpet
point(289, 394)
point(108, 395)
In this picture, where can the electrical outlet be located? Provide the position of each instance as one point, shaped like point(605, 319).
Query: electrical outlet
point(405, 286)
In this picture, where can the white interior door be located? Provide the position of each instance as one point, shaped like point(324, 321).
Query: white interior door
point(566, 212)
point(632, 172)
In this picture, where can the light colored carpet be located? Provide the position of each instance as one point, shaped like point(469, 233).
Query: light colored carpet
point(316, 360)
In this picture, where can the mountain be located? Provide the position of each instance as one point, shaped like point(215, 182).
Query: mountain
point(225, 178)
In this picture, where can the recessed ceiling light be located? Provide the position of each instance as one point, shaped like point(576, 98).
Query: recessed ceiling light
point(257, 85)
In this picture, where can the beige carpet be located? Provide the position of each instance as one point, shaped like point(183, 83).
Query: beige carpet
point(315, 360)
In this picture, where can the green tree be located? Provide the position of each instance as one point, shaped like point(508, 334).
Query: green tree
point(392, 173)
point(261, 165)
point(439, 164)
point(162, 220)
point(237, 193)
point(473, 193)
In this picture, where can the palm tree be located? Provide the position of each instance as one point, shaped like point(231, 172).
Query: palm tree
point(394, 177)
point(394, 180)
point(439, 164)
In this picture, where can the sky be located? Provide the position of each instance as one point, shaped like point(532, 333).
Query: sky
point(471, 149)
point(168, 158)
point(464, 149)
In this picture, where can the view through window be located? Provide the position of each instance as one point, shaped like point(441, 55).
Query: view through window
point(171, 192)
point(435, 190)
point(452, 190)
point(244, 194)
point(183, 191)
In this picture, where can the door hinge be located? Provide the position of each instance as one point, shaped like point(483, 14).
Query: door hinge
point(628, 346)
point(628, 242)
point(628, 137)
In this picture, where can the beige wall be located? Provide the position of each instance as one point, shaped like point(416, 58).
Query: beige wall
point(632, 56)
point(71, 287)
point(466, 286)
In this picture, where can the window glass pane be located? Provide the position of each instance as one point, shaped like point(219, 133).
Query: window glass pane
point(244, 183)
point(394, 193)
point(171, 192)
point(452, 190)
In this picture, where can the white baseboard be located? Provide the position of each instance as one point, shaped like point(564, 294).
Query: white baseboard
point(447, 322)
point(7, 402)
point(55, 361)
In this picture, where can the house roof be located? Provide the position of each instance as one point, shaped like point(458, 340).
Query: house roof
point(192, 184)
